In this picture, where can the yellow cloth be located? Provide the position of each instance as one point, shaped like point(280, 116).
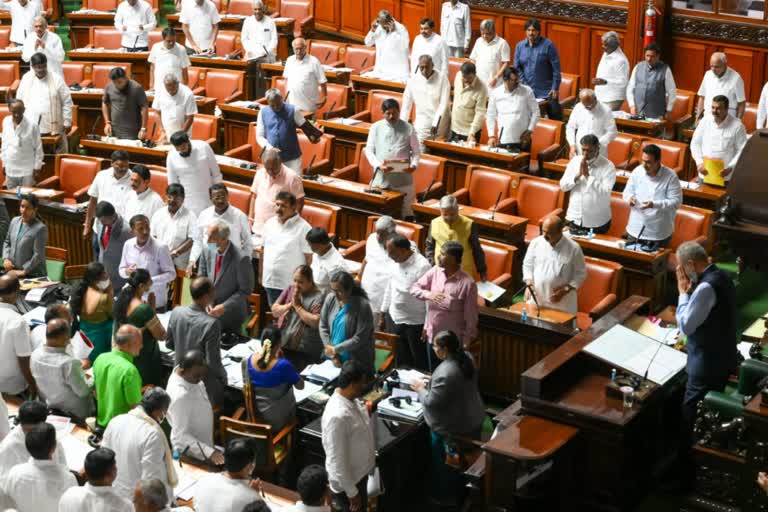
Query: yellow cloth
point(713, 166)
point(458, 232)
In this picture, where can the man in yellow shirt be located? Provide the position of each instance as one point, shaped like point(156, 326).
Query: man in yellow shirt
point(450, 225)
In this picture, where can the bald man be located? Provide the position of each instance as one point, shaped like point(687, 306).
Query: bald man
point(554, 267)
point(721, 80)
point(272, 178)
point(117, 380)
point(15, 342)
point(590, 116)
point(304, 75)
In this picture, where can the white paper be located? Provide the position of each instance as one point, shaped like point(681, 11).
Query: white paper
point(411, 376)
point(310, 388)
point(75, 451)
point(243, 350)
point(164, 319)
point(400, 392)
point(353, 266)
point(489, 291)
point(744, 347)
point(36, 294)
point(35, 316)
point(234, 376)
point(412, 411)
point(323, 372)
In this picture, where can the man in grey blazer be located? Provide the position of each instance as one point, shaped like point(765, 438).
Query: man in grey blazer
point(232, 275)
point(111, 238)
point(24, 245)
point(192, 328)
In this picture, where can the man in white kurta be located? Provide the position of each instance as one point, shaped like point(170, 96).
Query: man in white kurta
point(377, 265)
point(554, 266)
point(234, 488)
point(175, 226)
point(97, 495)
point(718, 136)
point(135, 19)
point(13, 449)
point(612, 74)
point(23, 14)
point(589, 177)
point(259, 35)
point(192, 163)
point(391, 41)
point(177, 106)
point(721, 80)
point(307, 86)
point(512, 113)
point(200, 22)
point(22, 147)
point(491, 54)
point(42, 40)
point(456, 27)
point(168, 57)
point(590, 116)
point(142, 200)
point(430, 92)
point(428, 42)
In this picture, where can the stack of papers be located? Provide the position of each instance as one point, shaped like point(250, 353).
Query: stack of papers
point(411, 376)
point(35, 316)
point(413, 411)
point(74, 450)
point(234, 374)
point(243, 350)
point(323, 373)
point(310, 388)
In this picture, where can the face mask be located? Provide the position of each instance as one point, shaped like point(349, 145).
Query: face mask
point(103, 285)
point(212, 247)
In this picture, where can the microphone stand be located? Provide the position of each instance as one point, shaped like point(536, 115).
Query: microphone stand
point(370, 189)
point(425, 194)
point(527, 286)
point(496, 205)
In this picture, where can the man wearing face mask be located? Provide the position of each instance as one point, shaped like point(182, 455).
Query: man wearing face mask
point(514, 111)
point(429, 92)
point(190, 413)
point(193, 165)
point(377, 266)
point(554, 266)
point(238, 227)
point(142, 450)
point(589, 116)
point(391, 40)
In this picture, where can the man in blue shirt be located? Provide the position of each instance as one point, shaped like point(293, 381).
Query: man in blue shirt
point(539, 63)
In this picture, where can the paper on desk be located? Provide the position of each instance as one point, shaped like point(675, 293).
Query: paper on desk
point(744, 347)
point(75, 450)
point(489, 291)
point(324, 372)
point(62, 424)
point(756, 330)
point(35, 294)
point(185, 489)
point(310, 388)
point(35, 316)
point(243, 350)
point(353, 266)
point(234, 376)
point(398, 392)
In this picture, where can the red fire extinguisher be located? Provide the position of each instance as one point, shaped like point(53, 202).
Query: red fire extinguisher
point(650, 21)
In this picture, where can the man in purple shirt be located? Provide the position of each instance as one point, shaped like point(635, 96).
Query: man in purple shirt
point(451, 296)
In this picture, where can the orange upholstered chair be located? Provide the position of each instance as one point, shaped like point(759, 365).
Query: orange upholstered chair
point(74, 174)
point(619, 215)
point(499, 258)
point(223, 84)
point(239, 196)
point(568, 93)
point(75, 73)
point(321, 215)
point(416, 233)
point(100, 5)
point(301, 11)
point(482, 186)
point(241, 7)
point(674, 155)
point(454, 67)
point(691, 224)
point(100, 72)
point(205, 127)
point(197, 86)
point(621, 151)
point(155, 36)
point(5, 37)
point(750, 117)
point(335, 106)
point(546, 143)
point(599, 292)
point(537, 198)
point(682, 110)
point(9, 78)
point(359, 58)
point(330, 53)
point(158, 180)
point(107, 38)
point(376, 97)
point(228, 42)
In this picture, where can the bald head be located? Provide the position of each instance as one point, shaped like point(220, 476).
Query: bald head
point(193, 367)
point(587, 98)
point(272, 162)
point(9, 288)
point(201, 290)
point(57, 333)
point(718, 63)
point(552, 229)
point(128, 339)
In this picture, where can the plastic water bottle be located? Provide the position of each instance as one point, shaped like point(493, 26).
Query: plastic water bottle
point(591, 233)
point(613, 375)
point(18, 192)
point(524, 314)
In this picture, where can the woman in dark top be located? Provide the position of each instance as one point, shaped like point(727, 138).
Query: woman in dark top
point(131, 309)
point(24, 245)
point(92, 304)
point(271, 378)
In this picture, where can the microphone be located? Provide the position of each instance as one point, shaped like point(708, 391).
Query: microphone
point(135, 42)
point(287, 93)
point(328, 112)
point(535, 299)
point(370, 189)
point(645, 375)
point(498, 141)
point(425, 194)
point(262, 152)
point(327, 56)
point(637, 240)
point(496, 205)
point(437, 127)
point(309, 167)
point(365, 61)
point(92, 135)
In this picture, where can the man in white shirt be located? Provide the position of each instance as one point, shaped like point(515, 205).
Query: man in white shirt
point(13, 449)
point(23, 14)
point(5, 426)
point(428, 42)
point(327, 259)
point(111, 185)
point(348, 441)
point(15, 342)
point(589, 178)
point(239, 228)
point(719, 136)
point(140, 444)
point(167, 57)
point(38, 484)
point(407, 312)
point(143, 251)
point(142, 200)
point(721, 80)
point(42, 40)
point(514, 111)
point(97, 495)
point(376, 268)
point(612, 73)
point(554, 267)
point(177, 106)
point(49, 100)
point(651, 90)
point(259, 40)
point(304, 75)
point(22, 150)
point(456, 27)
point(491, 54)
point(430, 92)
point(285, 246)
point(589, 116)
point(191, 414)
point(312, 486)
point(175, 226)
point(200, 23)
point(192, 164)
point(135, 18)
point(150, 496)
point(233, 489)
point(391, 41)
point(654, 195)
point(60, 379)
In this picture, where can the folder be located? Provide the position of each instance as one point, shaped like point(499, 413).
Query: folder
point(714, 166)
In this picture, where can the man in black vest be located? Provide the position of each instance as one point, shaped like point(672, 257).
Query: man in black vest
point(651, 90)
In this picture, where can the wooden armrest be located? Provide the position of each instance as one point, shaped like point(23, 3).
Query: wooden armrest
point(337, 112)
point(559, 212)
point(241, 152)
point(309, 20)
point(73, 130)
point(233, 97)
point(507, 205)
point(199, 91)
point(86, 83)
point(81, 195)
point(336, 64)
point(549, 153)
point(567, 101)
point(349, 172)
point(74, 271)
point(461, 195)
point(355, 252)
point(238, 414)
point(365, 115)
point(286, 431)
point(324, 166)
point(12, 89)
point(503, 280)
point(683, 121)
point(52, 182)
point(602, 307)
point(253, 322)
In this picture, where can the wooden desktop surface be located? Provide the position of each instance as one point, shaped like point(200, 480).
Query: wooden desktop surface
point(138, 60)
point(550, 315)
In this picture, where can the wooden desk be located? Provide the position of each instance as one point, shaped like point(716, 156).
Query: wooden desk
point(644, 127)
point(554, 316)
point(138, 61)
point(236, 64)
point(347, 137)
point(362, 84)
point(89, 117)
point(56, 196)
point(503, 227)
point(333, 75)
point(235, 119)
point(142, 155)
point(81, 22)
point(459, 157)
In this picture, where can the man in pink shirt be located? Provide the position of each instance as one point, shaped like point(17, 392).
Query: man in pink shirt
point(451, 296)
point(272, 178)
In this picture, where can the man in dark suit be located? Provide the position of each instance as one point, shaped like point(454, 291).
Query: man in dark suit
point(192, 328)
point(232, 275)
point(111, 238)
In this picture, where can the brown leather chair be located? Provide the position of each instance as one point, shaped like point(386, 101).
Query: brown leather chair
point(155, 36)
point(674, 155)
point(301, 11)
point(482, 186)
point(568, 93)
point(100, 72)
point(499, 259)
point(107, 38)
point(329, 53)
point(622, 151)
point(359, 58)
point(158, 180)
point(204, 127)
point(691, 224)
point(241, 7)
point(73, 175)
point(454, 66)
point(682, 109)
point(5, 37)
point(321, 215)
point(338, 98)
point(536, 199)
point(9, 79)
point(599, 292)
point(75, 73)
point(750, 117)
point(228, 42)
point(546, 143)
point(223, 84)
point(376, 97)
point(239, 196)
point(619, 215)
point(195, 83)
point(416, 233)
point(100, 5)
